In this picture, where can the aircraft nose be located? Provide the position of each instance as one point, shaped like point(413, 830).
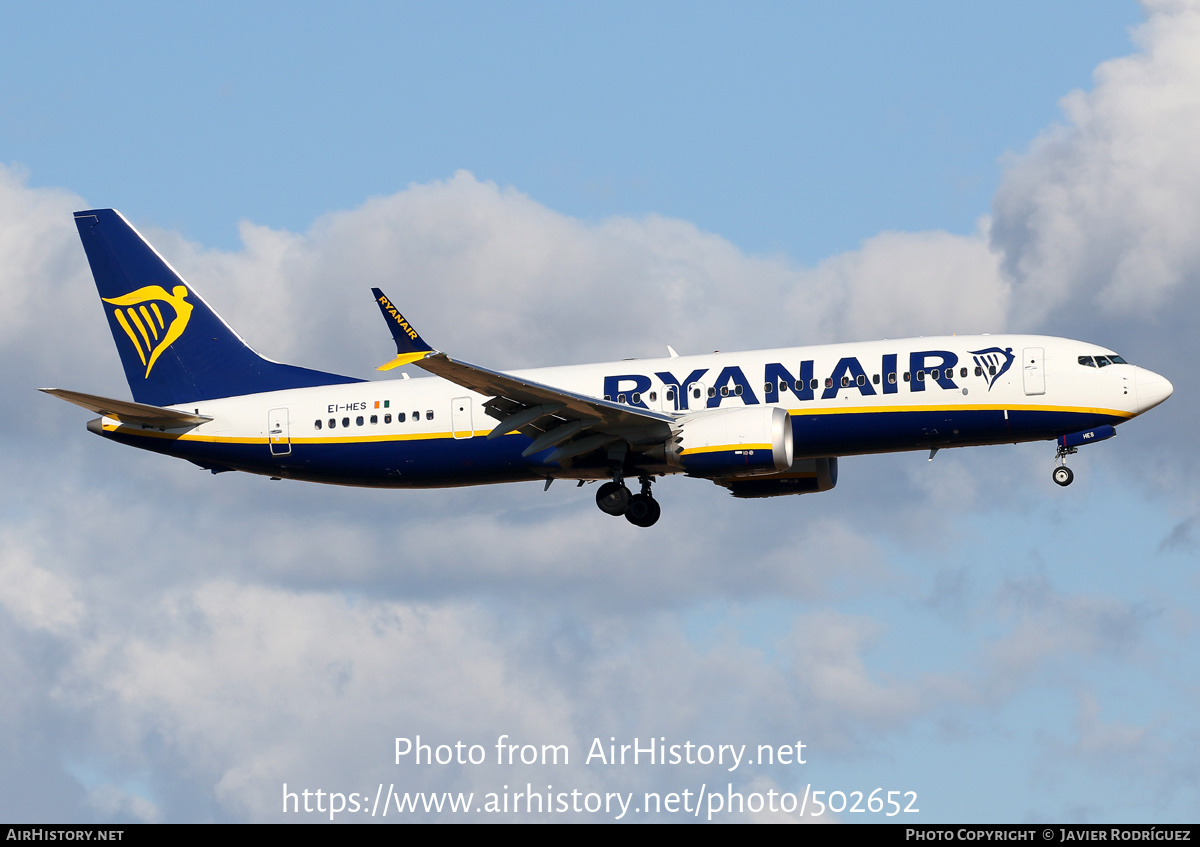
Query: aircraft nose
point(1151, 388)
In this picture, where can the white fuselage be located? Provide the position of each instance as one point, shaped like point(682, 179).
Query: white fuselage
point(842, 399)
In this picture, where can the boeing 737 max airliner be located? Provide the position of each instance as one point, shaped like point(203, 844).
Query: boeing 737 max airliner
point(760, 423)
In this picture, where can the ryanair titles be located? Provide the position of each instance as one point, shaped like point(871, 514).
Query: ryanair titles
point(700, 390)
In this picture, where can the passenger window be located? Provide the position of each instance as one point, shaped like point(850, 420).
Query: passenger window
point(978, 371)
point(737, 389)
point(906, 376)
point(712, 392)
point(416, 416)
point(892, 378)
point(653, 396)
point(812, 384)
point(608, 397)
point(359, 420)
point(316, 424)
point(332, 423)
point(671, 394)
point(962, 372)
point(875, 379)
point(696, 393)
point(620, 398)
point(992, 370)
point(799, 385)
point(387, 419)
point(400, 417)
point(920, 376)
point(829, 382)
point(345, 422)
point(636, 398)
point(724, 390)
point(429, 415)
point(374, 419)
point(935, 374)
point(769, 387)
point(862, 380)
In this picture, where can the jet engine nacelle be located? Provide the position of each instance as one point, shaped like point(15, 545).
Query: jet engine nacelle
point(804, 477)
point(733, 442)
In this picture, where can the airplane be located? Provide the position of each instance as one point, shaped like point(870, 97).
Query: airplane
point(759, 423)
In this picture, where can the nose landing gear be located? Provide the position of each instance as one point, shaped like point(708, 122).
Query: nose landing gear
point(640, 509)
point(1062, 474)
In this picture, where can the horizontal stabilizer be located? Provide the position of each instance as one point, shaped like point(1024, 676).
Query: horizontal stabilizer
point(126, 411)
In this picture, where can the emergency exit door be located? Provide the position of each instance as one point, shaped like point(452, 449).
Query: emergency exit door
point(460, 417)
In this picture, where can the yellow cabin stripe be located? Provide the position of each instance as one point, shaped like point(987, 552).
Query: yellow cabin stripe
point(723, 447)
point(425, 436)
point(227, 439)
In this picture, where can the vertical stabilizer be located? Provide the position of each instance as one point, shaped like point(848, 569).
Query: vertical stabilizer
point(174, 348)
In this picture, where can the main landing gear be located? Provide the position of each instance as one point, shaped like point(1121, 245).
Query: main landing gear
point(1062, 474)
point(614, 498)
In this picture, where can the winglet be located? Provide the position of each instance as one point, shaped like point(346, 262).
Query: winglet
point(409, 345)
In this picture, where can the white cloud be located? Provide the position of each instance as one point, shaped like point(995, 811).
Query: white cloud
point(499, 279)
point(37, 598)
point(1100, 215)
point(229, 690)
point(116, 803)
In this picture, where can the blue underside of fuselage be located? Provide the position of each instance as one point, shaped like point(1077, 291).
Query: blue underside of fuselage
point(437, 462)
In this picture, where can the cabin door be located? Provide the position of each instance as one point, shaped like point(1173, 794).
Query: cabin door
point(1033, 366)
point(277, 432)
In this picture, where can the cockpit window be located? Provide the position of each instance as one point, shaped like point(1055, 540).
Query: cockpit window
point(1102, 361)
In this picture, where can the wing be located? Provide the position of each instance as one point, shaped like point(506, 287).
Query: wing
point(574, 424)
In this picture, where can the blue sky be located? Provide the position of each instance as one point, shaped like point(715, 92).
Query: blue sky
point(792, 128)
point(546, 183)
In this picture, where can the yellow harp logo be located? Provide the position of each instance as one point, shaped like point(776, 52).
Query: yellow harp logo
point(139, 314)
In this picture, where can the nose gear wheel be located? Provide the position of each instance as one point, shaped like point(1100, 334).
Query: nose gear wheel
point(1062, 474)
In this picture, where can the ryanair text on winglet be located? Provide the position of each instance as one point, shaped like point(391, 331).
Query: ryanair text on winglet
point(397, 317)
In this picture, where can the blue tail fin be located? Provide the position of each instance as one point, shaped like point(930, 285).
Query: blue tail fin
point(175, 349)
